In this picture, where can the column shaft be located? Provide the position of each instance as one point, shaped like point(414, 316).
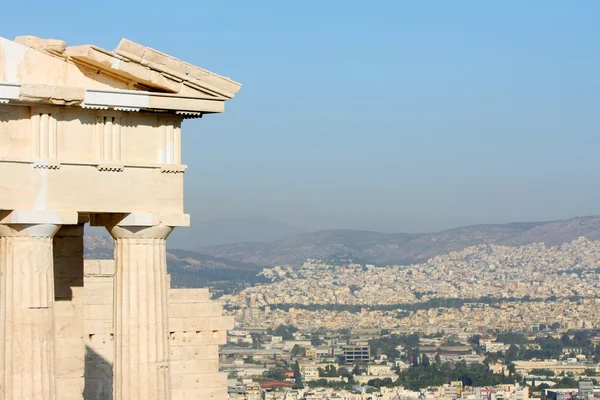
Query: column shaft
point(141, 318)
point(27, 364)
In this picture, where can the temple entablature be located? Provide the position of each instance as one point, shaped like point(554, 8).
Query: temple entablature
point(110, 121)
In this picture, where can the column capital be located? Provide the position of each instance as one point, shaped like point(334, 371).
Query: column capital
point(139, 232)
point(41, 230)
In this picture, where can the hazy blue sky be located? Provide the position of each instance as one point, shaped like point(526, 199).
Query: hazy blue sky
point(383, 115)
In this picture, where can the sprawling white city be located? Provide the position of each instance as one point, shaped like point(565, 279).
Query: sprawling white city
point(486, 322)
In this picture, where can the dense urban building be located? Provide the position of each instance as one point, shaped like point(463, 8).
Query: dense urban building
point(357, 353)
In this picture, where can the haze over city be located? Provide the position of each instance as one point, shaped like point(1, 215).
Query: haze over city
point(391, 116)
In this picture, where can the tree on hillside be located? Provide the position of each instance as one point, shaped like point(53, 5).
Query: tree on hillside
point(475, 340)
point(425, 361)
point(297, 374)
point(511, 338)
point(298, 350)
point(541, 371)
point(285, 331)
point(512, 354)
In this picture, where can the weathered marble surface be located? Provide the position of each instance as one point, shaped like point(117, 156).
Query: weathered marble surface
point(90, 135)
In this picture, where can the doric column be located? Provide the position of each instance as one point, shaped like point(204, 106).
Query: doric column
point(27, 363)
point(141, 368)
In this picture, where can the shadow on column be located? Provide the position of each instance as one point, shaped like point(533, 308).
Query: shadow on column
point(98, 376)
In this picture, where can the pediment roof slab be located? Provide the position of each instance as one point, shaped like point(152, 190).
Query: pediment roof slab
point(130, 67)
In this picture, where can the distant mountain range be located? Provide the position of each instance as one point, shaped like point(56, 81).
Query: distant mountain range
point(230, 230)
point(401, 248)
point(231, 266)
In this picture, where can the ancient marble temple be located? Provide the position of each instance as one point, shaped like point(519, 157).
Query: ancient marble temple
point(91, 135)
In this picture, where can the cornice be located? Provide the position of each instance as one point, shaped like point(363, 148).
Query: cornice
point(111, 99)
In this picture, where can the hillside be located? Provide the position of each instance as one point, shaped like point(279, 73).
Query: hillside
point(384, 248)
point(230, 267)
point(230, 230)
point(189, 269)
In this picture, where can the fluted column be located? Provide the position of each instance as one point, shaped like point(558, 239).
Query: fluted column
point(27, 364)
point(140, 313)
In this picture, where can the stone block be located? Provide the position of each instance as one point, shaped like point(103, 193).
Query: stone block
point(178, 296)
point(99, 297)
point(98, 311)
point(175, 325)
point(94, 339)
point(71, 367)
point(54, 45)
point(185, 310)
point(196, 367)
point(68, 309)
point(131, 50)
point(91, 326)
point(203, 351)
point(94, 283)
point(211, 380)
point(101, 269)
point(221, 324)
point(70, 388)
point(68, 327)
point(70, 348)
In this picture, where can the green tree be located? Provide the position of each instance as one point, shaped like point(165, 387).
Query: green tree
point(275, 374)
point(297, 374)
point(512, 338)
point(297, 350)
point(329, 371)
point(567, 382)
point(541, 371)
point(232, 375)
point(512, 354)
point(285, 331)
point(475, 340)
point(425, 361)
